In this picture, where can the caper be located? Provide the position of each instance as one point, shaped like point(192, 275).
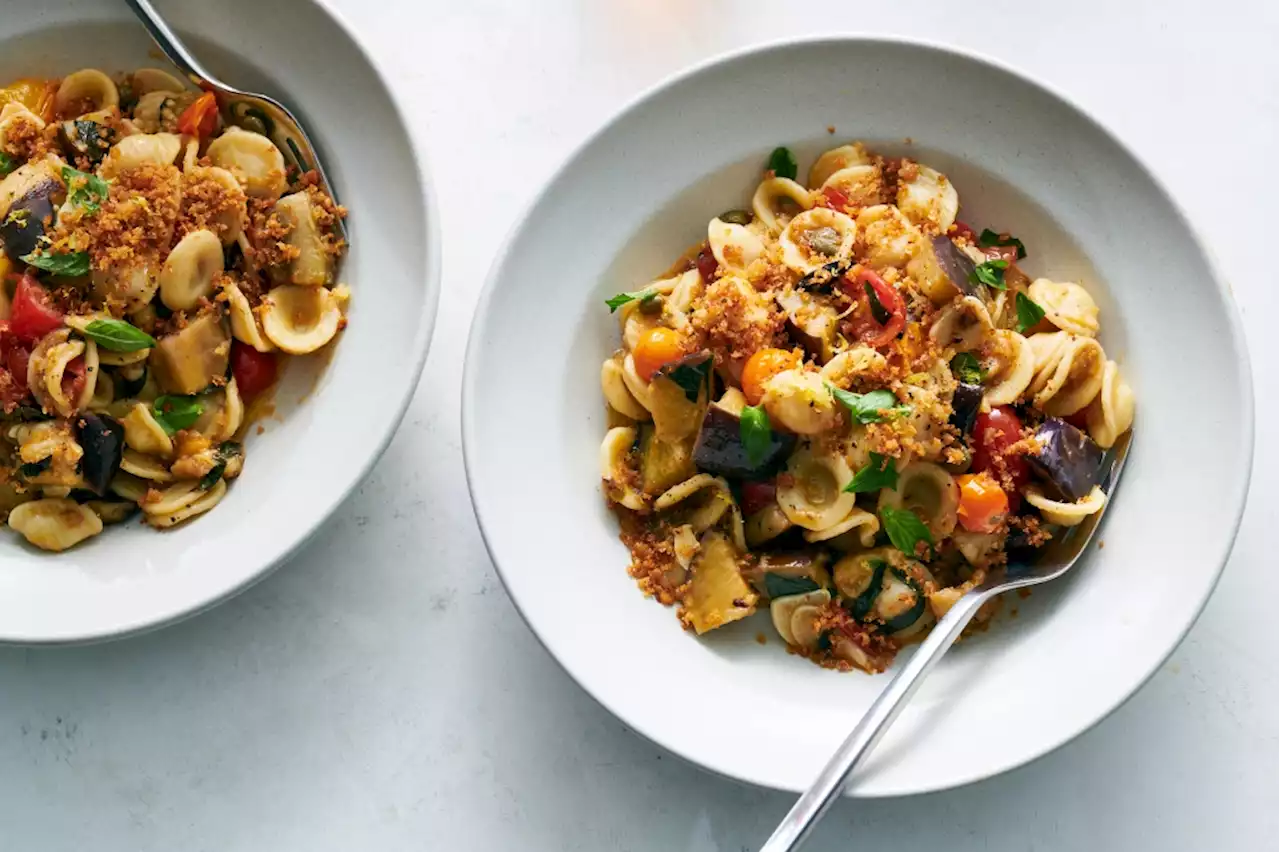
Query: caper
point(824, 240)
point(737, 217)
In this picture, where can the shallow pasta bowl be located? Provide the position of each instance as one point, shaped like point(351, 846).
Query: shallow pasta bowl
point(640, 192)
point(334, 412)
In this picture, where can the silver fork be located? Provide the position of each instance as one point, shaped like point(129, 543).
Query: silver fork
point(1055, 560)
point(251, 111)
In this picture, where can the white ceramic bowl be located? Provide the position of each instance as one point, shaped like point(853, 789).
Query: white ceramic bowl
point(637, 194)
point(333, 420)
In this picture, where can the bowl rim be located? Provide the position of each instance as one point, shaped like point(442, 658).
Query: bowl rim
point(420, 347)
point(1238, 342)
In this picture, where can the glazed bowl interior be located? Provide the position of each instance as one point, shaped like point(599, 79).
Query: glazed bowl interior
point(638, 194)
point(334, 411)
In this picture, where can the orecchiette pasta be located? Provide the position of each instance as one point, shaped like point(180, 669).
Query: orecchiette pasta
point(159, 149)
point(300, 319)
point(189, 271)
point(86, 91)
point(54, 523)
point(886, 394)
point(311, 263)
point(254, 160)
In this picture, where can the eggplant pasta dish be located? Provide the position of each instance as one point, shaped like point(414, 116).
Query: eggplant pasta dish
point(848, 406)
point(159, 265)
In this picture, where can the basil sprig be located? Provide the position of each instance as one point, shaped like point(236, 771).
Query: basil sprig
point(118, 335)
point(7, 164)
point(1029, 313)
point(905, 529)
point(966, 368)
point(781, 586)
point(226, 450)
point(644, 296)
point(990, 238)
point(783, 163)
point(879, 473)
point(175, 413)
point(874, 407)
point(692, 373)
point(756, 433)
point(70, 265)
point(84, 190)
point(990, 273)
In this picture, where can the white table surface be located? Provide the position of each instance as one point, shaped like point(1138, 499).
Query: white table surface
point(380, 692)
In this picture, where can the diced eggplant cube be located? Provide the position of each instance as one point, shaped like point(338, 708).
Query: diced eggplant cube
point(720, 450)
point(964, 406)
point(1068, 461)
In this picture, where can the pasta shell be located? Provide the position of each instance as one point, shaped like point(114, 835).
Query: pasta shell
point(148, 112)
point(866, 524)
point(783, 609)
point(765, 525)
point(615, 468)
point(816, 237)
point(804, 626)
point(1066, 514)
point(964, 325)
point(54, 524)
point(616, 394)
point(861, 184)
point(830, 162)
point(853, 362)
point(814, 496)
point(1067, 305)
point(129, 487)
point(977, 548)
point(244, 322)
point(1010, 374)
point(1111, 414)
point(930, 492)
point(141, 149)
point(16, 115)
point(254, 160)
point(122, 359)
point(888, 238)
point(46, 368)
point(704, 513)
point(135, 285)
point(145, 81)
point(929, 200)
point(142, 432)
point(184, 500)
point(85, 88)
point(1075, 380)
point(770, 196)
point(229, 220)
point(300, 319)
point(685, 544)
point(735, 246)
point(190, 269)
point(103, 393)
point(311, 266)
point(144, 466)
point(800, 401)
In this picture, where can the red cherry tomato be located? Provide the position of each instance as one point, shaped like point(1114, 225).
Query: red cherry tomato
point(866, 328)
point(836, 199)
point(201, 117)
point(1080, 419)
point(32, 315)
point(253, 371)
point(707, 264)
point(994, 432)
point(758, 495)
point(73, 379)
point(13, 368)
point(960, 229)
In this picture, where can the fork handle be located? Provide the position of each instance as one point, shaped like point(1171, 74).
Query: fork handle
point(806, 812)
point(167, 40)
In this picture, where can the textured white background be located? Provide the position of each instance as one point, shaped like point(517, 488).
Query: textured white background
point(380, 692)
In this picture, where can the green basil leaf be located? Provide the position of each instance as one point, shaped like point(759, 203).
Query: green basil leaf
point(905, 529)
point(861, 605)
point(622, 298)
point(874, 407)
point(176, 412)
point(1029, 313)
point(879, 473)
point(71, 265)
point(756, 433)
point(989, 238)
point(84, 190)
point(990, 273)
point(118, 335)
point(966, 368)
point(783, 163)
point(878, 311)
point(7, 164)
point(211, 478)
point(691, 374)
point(781, 586)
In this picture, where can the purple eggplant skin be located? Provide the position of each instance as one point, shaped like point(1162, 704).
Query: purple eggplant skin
point(956, 264)
point(102, 439)
point(1068, 461)
point(965, 403)
point(719, 449)
point(26, 220)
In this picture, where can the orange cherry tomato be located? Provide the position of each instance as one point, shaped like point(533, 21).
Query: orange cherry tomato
point(657, 347)
point(983, 503)
point(201, 117)
point(762, 366)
